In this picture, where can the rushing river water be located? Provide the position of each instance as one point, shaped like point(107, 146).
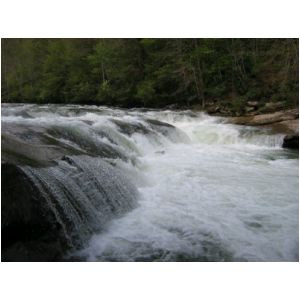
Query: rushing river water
point(188, 186)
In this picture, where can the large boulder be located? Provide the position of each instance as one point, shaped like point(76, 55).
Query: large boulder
point(266, 119)
point(29, 230)
point(284, 122)
point(291, 141)
point(213, 109)
point(54, 196)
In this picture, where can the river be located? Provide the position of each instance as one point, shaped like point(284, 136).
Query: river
point(161, 185)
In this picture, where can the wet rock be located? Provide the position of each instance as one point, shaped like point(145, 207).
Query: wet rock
point(159, 123)
point(291, 141)
point(15, 150)
point(29, 230)
point(131, 128)
point(213, 109)
point(86, 141)
point(165, 129)
point(32, 145)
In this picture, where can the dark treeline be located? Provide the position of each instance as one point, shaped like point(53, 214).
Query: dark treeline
point(150, 72)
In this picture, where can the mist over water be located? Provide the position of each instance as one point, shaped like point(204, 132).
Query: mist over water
point(204, 190)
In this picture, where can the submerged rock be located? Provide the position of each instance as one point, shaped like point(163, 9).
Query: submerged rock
point(159, 123)
point(131, 128)
point(15, 150)
point(32, 145)
point(291, 141)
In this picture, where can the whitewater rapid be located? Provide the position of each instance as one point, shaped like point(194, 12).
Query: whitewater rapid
point(206, 190)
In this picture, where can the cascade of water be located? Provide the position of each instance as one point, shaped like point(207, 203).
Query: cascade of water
point(192, 186)
point(84, 193)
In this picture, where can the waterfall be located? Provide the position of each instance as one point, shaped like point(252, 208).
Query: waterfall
point(145, 185)
point(83, 193)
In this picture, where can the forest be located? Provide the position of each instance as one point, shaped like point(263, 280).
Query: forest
point(151, 72)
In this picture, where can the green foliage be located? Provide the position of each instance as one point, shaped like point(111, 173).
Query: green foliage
point(150, 72)
point(146, 92)
point(238, 105)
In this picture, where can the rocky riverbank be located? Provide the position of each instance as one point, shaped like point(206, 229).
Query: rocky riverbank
point(284, 121)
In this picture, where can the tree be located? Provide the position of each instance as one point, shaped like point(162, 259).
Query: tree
point(151, 72)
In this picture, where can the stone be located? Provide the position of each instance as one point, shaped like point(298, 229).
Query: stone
point(29, 228)
point(249, 109)
point(213, 109)
point(291, 141)
point(271, 106)
point(287, 127)
point(159, 123)
point(265, 119)
point(253, 104)
point(131, 128)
